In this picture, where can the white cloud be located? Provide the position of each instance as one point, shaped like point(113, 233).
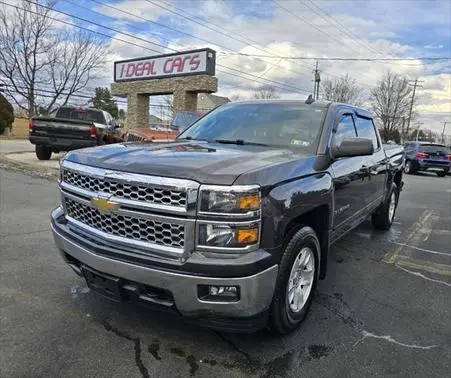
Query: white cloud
point(435, 47)
point(279, 33)
point(139, 7)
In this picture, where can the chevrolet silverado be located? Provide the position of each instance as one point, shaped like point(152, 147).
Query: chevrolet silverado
point(230, 225)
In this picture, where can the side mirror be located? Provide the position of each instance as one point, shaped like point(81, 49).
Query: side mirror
point(353, 147)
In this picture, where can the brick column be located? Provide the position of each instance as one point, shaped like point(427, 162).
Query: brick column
point(137, 110)
point(184, 100)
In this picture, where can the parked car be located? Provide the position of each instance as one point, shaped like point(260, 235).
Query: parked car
point(230, 225)
point(183, 120)
point(424, 156)
point(159, 132)
point(69, 128)
point(149, 134)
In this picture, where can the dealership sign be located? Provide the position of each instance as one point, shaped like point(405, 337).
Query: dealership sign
point(195, 62)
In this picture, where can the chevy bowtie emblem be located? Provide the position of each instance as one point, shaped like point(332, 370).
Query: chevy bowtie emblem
point(104, 205)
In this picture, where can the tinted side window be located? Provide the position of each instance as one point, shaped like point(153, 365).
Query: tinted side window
point(365, 129)
point(345, 129)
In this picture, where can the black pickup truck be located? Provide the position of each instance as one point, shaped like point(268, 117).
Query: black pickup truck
point(229, 225)
point(69, 128)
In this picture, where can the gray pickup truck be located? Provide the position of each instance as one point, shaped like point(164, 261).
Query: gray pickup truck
point(231, 224)
point(69, 128)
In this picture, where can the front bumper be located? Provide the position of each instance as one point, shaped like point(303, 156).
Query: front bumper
point(256, 291)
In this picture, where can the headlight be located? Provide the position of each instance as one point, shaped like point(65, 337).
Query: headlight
point(230, 200)
point(228, 236)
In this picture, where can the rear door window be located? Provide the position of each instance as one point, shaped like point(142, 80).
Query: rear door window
point(345, 129)
point(366, 129)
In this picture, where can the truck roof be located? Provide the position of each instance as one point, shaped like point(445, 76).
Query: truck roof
point(317, 104)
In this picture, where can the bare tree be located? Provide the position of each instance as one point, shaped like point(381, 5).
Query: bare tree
point(343, 89)
point(235, 97)
point(36, 54)
point(390, 101)
point(266, 92)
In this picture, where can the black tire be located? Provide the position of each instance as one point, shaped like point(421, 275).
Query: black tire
point(382, 218)
point(282, 319)
point(408, 168)
point(441, 173)
point(43, 152)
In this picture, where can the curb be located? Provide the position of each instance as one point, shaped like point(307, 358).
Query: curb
point(12, 165)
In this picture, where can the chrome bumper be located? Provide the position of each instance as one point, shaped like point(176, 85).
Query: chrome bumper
point(256, 290)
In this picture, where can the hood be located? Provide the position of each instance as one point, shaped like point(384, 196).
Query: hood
point(207, 163)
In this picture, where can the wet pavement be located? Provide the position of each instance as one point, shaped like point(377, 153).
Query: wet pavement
point(384, 308)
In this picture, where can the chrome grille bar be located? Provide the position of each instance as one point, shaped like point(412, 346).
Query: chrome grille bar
point(162, 194)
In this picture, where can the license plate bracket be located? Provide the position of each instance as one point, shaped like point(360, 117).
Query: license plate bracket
point(103, 284)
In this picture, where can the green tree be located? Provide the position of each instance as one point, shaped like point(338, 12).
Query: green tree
point(103, 100)
point(6, 114)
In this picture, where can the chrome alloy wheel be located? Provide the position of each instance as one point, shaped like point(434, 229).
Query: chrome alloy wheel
point(392, 206)
point(301, 279)
point(407, 167)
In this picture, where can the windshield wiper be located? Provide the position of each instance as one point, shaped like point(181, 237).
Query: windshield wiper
point(240, 142)
point(191, 138)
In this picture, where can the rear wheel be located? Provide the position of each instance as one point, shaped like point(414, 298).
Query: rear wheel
point(382, 218)
point(441, 173)
point(43, 152)
point(408, 168)
point(296, 281)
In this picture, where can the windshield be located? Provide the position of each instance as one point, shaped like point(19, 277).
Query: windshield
point(184, 119)
point(275, 124)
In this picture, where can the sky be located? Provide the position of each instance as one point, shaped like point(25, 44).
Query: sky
point(333, 28)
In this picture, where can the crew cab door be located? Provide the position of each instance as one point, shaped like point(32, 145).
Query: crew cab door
point(374, 187)
point(349, 174)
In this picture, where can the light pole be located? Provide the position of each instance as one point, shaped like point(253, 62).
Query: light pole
point(443, 131)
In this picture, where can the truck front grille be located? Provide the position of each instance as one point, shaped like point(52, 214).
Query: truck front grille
point(131, 191)
point(130, 227)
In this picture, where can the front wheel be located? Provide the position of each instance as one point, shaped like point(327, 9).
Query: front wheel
point(296, 281)
point(382, 218)
point(43, 152)
point(441, 173)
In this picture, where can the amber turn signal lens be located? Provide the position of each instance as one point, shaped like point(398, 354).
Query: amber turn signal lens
point(249, 202)
point(247, 235)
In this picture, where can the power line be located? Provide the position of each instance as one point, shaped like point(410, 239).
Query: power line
point(273, 55)
point(349, 59)
point(340, 26)
point(415, 85)
point(253, 78)
point(306, 22)
point(252, 43)
point(196, 37)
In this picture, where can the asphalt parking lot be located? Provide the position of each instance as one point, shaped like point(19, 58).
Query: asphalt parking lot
point(384, 308)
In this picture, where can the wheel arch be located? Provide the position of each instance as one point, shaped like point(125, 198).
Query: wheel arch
point(318, 219)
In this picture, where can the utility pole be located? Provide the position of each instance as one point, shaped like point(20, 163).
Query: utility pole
point(317, 80)
point(415, 85)
point(443, 131)
point(402, 129)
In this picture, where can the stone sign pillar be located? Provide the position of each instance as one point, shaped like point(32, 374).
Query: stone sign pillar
point(183, 74)
point(137, 110)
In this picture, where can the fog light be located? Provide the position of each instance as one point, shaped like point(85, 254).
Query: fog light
point(216, 293)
